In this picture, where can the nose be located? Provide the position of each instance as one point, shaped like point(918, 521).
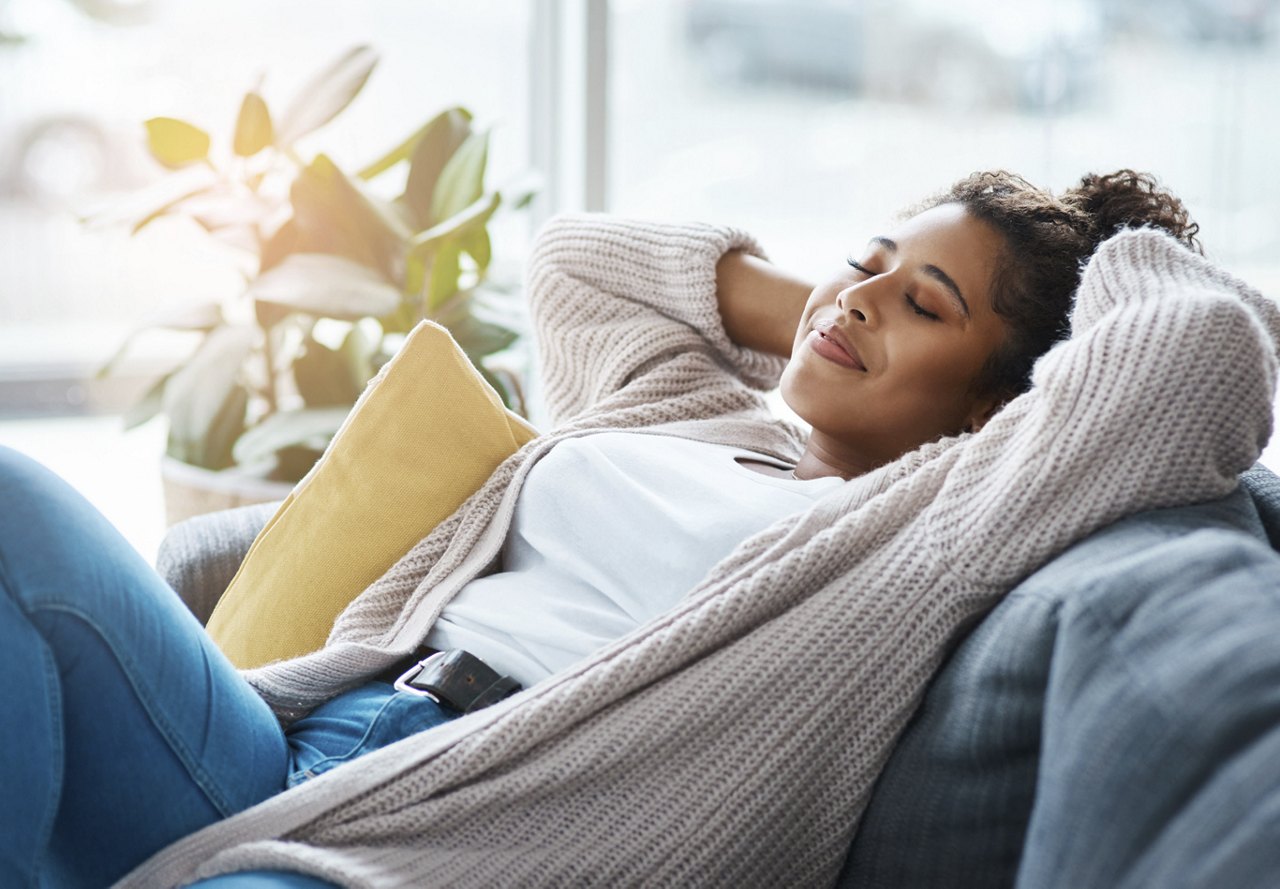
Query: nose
point(855, 302)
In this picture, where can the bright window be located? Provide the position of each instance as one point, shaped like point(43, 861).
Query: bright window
point(82, 75)
point(811, 122)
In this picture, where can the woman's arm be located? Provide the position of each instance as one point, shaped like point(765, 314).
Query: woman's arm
point(760, 304)
point(1161, 397)
point(615, 301)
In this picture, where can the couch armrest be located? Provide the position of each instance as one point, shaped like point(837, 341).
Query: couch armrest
point(199, 556)
point(1013, 762)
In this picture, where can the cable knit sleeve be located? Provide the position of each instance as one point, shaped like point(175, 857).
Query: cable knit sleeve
point(612, 299)
point(1161, 397)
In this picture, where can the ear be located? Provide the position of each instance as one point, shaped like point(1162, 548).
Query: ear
point(983, 410)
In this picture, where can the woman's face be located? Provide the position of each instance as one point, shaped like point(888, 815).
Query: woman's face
point(887, 349)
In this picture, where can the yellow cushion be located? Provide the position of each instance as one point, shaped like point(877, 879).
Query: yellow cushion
point(420, 440)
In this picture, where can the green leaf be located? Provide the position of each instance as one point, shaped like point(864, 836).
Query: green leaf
point(480, 338)
point(442, 282)
point(477, 245)
point(441, 139)
point(333, 214)
point(456, 309)
point(176, 143)
point(110, 364)
point(326, 376)
point(521, 190)
point(253, 127)
point(326, 286)
point(238, 237)
point(400, 153)
point(505, 309)
point(139, 208)
point(268, 315)
point(294, 462)
point(404, 213)
point(165, 209)
point(205, 401)
point(475, 216)
point(511, 391)
point(498, 385)
point(227, 427)
point(415, 273)
point(147, 406)
point(405, 149)
point(325, 95)
point(461, 181)
point(226, 206)
point(200, 317)
point(282, 243)
point(359, 350)
point(309, 427)
point(404, 318)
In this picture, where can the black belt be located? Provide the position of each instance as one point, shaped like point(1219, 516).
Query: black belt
point(455, 678)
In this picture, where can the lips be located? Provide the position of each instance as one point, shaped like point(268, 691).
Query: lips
point(830, 342)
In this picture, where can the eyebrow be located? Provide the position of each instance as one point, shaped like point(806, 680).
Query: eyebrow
point(931, 270)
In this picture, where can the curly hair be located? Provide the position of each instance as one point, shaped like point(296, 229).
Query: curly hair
point(1047, 241)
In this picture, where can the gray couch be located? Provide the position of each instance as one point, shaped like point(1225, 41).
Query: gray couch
point(1115, 721)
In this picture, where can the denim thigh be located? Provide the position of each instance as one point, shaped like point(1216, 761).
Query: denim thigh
point(124, 727)
point(357, 722)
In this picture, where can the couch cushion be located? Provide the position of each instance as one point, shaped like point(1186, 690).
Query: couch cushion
point(199, 556)
point(1160, 761)
point(967, 784)
point(426, 433)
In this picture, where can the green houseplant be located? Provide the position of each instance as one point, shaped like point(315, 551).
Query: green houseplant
point(264, 390)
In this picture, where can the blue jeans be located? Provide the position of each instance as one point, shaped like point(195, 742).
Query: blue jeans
point(123, 727)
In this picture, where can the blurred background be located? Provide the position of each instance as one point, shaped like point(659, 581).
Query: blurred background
point(811, 123)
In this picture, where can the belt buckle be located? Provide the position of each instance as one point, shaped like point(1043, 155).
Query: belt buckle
point(405, 682)
point(457, 679)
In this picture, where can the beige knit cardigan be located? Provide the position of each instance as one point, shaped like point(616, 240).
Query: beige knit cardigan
point(734, 740)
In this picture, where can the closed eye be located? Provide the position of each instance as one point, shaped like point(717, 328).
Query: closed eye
point(919, 309)
point(915, 306)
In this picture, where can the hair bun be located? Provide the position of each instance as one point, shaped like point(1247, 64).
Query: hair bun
point(1127, 199)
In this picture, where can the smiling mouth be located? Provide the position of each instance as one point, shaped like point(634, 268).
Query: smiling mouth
point(834, 350)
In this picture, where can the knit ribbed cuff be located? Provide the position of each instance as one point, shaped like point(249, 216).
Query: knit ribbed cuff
point(671, 267)
point(1148, 263)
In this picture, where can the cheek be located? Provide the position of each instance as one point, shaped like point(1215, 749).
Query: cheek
point(801, 331)
point(797, 339)
point(932, 384)
point(944, 364)
point(817, 300)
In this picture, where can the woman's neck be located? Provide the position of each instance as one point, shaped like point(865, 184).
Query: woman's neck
point(822, 458)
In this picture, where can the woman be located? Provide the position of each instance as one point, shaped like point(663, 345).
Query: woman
point(818, 610)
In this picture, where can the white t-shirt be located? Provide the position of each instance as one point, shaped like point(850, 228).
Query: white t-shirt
point(610, 530)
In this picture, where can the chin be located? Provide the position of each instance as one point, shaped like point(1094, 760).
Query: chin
point(808, 411)
point(786, 388)
point(803, 392)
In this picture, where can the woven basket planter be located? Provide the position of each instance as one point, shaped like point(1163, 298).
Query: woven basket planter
point(191, 491)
